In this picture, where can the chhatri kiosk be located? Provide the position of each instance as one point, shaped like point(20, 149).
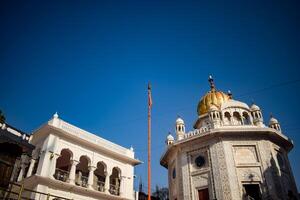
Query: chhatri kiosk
point(230, 155)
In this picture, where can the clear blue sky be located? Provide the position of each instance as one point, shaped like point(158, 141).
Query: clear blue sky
point(91, 61)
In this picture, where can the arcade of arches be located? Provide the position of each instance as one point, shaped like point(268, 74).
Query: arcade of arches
point(83, 174)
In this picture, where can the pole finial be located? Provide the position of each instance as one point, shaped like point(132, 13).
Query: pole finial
point(149, 86)
point(55, 115)
point(211, 82)
point(229, 93)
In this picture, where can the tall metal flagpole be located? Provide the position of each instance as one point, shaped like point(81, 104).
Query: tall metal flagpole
point(149, 140)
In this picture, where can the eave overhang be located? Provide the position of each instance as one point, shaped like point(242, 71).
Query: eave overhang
point(47, 129)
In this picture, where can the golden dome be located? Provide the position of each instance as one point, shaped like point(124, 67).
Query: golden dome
point(213, 97)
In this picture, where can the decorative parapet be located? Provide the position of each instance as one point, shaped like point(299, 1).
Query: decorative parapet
point(87, 136)
point(15, 132)
point(196, 132)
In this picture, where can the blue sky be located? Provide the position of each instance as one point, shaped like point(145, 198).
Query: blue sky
point(91, 61)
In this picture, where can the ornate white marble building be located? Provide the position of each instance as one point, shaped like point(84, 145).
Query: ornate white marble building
point(230, 155)
point(72, 163)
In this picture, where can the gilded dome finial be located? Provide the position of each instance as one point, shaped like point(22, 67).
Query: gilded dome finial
point(211, 82)
point(213, 97)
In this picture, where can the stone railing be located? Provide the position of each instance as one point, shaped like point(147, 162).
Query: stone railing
point(82, 181)
point(100, 186)
point(113, 189)
point(61, 175)
point(196, 132)
point(78, 132)
point(15, 132)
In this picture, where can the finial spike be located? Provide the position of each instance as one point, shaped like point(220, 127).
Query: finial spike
point(229, 94)
point(211, 82)
point(131, 148)
point(55, 115)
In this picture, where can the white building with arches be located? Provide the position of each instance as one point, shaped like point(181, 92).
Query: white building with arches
point(230, 155)
point(73, 163)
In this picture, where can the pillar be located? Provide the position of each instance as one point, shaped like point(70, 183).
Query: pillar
point(73, 171)
point(23, 167)
point(91, 177)
point(15, 170)
point(121, 185)
point(107, 177)
point(53, 158)
point(29, 172)
point(21, 173)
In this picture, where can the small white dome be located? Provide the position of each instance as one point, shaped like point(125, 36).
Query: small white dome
point(179, 121)
point(273, 121)
point(254, 107)
point(170, 137)
point(234, 104)
point(55, 115)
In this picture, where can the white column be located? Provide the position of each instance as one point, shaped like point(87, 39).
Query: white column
point(73, 171)
point(21, 174)
point(29, 172)
point(23, 167)
point(53, 158)
point(122, 184)
point(15, 170)
point(91, 177)
point(22, 171)
point(106, 185)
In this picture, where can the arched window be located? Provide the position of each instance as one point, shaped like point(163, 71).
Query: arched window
point(100, 176)
point(63, 165)
point(237, 118)
point(82, 171)
point(115, 181)
point(227, 118)
point(246, 119)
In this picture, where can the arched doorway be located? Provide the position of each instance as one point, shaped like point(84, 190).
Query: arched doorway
point(100, 176)
point(63, 165)
point(115, 181)
point(82, 171)
point(237, 120)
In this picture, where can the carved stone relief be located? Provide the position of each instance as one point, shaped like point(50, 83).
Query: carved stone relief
point(245, 155)
point(220, 172)
point(249, 174)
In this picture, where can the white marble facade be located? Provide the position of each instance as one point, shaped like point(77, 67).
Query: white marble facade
point(230, 155)
point(73, 163)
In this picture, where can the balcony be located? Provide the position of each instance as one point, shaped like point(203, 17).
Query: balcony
point(61, 175)
point(82, 181)
point(100, 186)
point(113, 189)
